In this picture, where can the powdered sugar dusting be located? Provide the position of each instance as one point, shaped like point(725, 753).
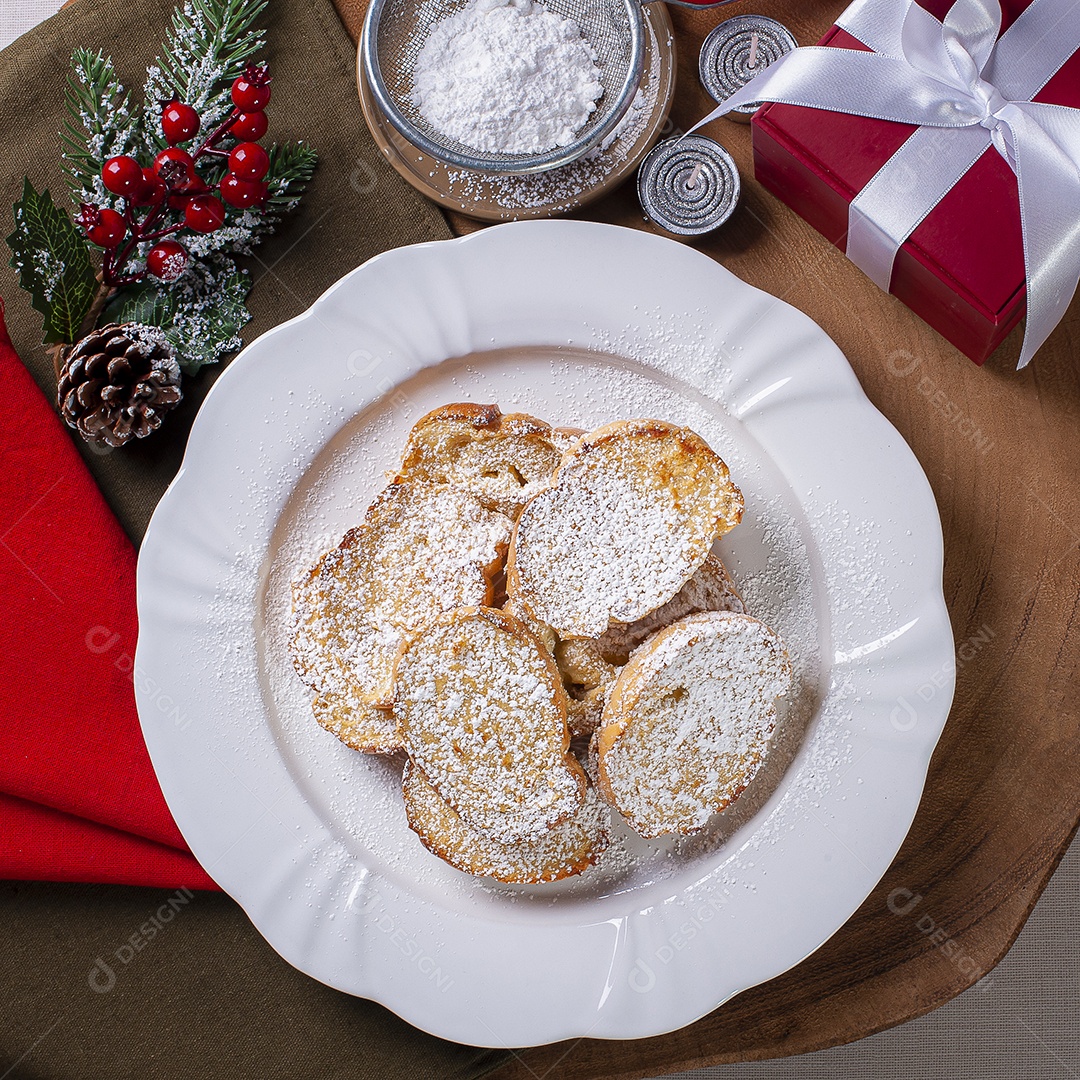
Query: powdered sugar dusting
point(507, 77)
point(562, 189)
point(768, 556)
point(481, 712)
point(695, 709)
point(421, 550)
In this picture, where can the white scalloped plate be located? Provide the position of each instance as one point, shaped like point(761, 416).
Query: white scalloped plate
point(840, 550)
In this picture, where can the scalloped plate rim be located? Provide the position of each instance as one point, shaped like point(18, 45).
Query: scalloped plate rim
point(841, 386)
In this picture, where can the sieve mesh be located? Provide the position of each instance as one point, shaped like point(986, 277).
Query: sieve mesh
point(395, 32)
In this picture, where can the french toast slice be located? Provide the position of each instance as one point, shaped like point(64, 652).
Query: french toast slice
point(421, 549)
point(503, 459)
point(627, 518)
point(688, 721)
point(566, 849)
point(482, 713)
point(564, 439)
point(367, 728)
point(587, 677)
point(709, 589)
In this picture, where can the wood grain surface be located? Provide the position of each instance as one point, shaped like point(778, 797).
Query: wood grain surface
point(1002, 452)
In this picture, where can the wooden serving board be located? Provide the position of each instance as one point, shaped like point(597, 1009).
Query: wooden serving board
point(1002, 452)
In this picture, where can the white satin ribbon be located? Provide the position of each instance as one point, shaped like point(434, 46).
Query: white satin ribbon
point(966, 89)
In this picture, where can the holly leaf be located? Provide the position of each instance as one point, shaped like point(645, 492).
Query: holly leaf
point(202, 314)
point(146, 303)
point(53, 263)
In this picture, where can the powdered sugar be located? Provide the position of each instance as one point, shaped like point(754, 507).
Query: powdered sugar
point(563, 189)
point(507, 76)
point(619, 533)
point(767, 556)
point(481, 712)
point(693, 714)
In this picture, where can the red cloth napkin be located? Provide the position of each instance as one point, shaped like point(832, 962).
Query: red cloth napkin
point(78, 797)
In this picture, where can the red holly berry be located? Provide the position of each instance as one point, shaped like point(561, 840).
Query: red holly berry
point(122, 175)
point(242, 193)
point(179, 202)
point(152, 191)
point(179, 122)
point(103, 227)
point(204, 214)
point(251, 92)
point(250, 125)
point(177, 169)
point(249, 161)
point(167, 260)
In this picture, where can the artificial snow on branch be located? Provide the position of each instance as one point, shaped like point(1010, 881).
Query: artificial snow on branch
point(169, 191)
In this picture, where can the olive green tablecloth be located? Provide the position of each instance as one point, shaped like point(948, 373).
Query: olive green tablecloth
point(88, 990)
point(355, 207)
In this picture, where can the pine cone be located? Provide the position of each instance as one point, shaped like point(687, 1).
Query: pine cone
point(117, 383)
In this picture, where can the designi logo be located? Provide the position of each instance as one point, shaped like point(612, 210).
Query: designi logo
point(642, 978)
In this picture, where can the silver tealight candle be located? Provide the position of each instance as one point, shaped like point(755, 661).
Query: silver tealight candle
point(736, 51)
point(688, 186)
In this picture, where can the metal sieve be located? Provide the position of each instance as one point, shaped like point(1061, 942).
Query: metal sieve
point(395, 32)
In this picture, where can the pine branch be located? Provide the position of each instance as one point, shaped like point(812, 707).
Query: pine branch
point(209, 45)
point(291, 169)
point(100, 124)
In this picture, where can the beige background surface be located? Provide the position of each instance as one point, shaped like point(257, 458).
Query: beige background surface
point(18, 16)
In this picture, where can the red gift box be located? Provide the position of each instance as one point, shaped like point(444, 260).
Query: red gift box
point(962, 269)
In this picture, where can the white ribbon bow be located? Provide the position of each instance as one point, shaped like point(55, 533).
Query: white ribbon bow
point(957, 75)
